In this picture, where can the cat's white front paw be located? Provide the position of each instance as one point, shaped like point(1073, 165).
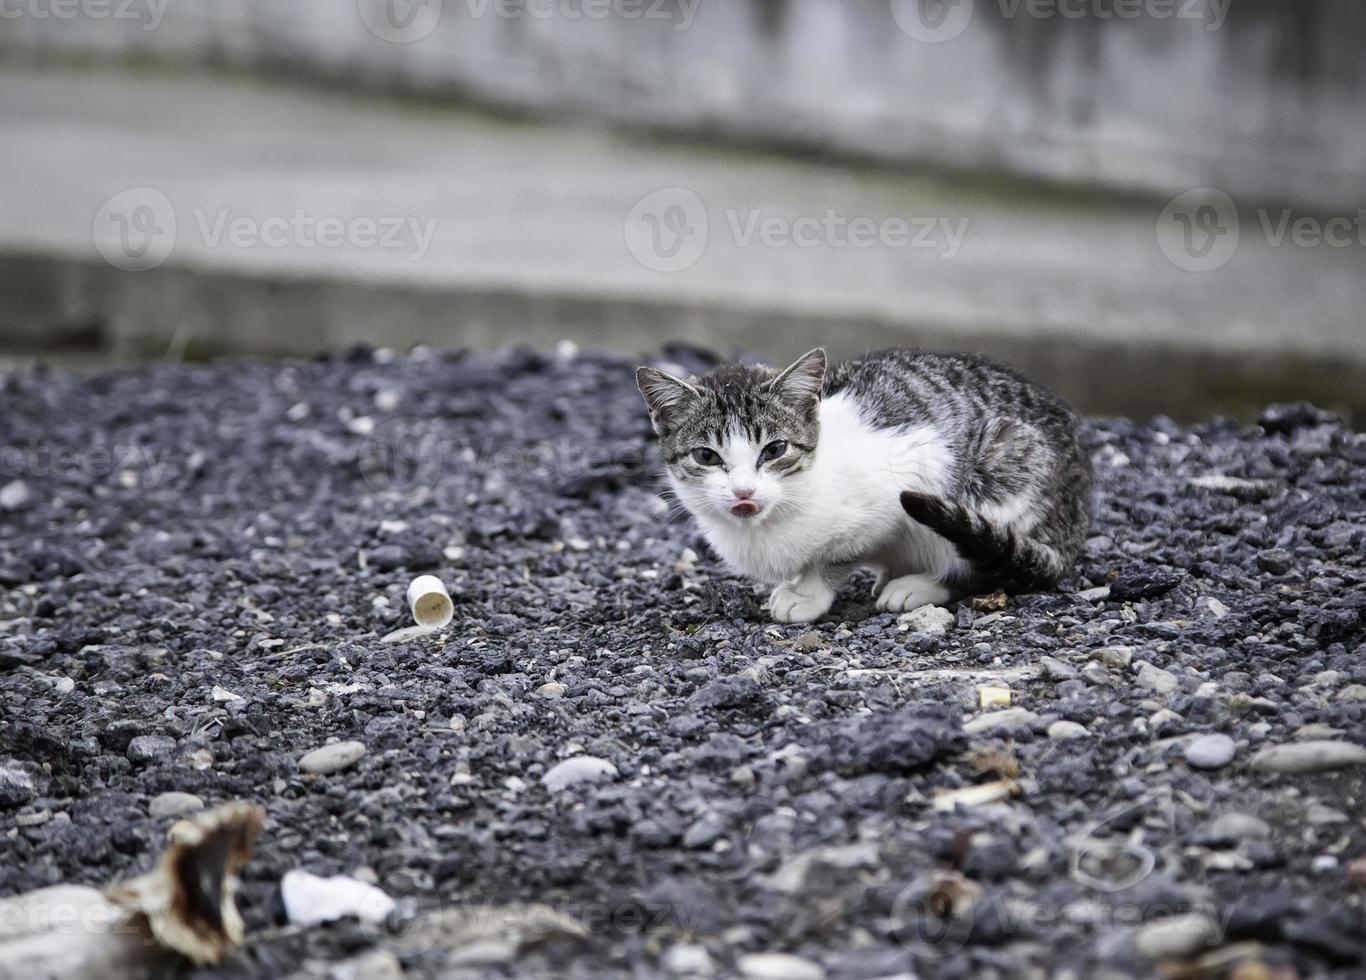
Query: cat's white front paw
point(911, 592)
point(791, 606)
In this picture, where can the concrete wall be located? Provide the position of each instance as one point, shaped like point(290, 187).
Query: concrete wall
point(1262, 98)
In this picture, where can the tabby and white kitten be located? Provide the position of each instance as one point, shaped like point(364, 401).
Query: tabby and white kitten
point(947, 473)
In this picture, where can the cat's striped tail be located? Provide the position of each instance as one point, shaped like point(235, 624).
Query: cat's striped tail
point(999, 556)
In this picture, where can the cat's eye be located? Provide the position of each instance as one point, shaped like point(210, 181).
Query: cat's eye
point(774, 450)
point(704, 456)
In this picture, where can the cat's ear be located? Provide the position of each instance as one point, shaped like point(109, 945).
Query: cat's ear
point(801, 384)
point(664, 394)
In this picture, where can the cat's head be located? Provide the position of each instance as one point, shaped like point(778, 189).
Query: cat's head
point(737, 440)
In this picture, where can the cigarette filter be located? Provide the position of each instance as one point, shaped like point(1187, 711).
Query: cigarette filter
point(430, 602)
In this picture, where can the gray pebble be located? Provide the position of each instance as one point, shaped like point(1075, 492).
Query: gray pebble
point(1319, 815)
point(688, 960)
point(332, 758)
point(996, 721)
point(1208, 607)
point(1306, 757)
point(1096, 674)
point(1233, 828)
point(16, 787)
point(705, 831)
point(146, 749)
point(1156, 679)
point(778, 966)
point(374, 965)
point(1063, 730)
point(174, 804)
point(1277, 561)
point(1211, 751)
point(1058, 670)
point(1117, 657)
point(1176, 936)
point(578, 769)
point(1166, 722)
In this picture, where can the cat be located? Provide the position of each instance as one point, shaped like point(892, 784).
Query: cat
point(949, 474)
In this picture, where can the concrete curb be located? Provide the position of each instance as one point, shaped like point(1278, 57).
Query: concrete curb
point(49, 301)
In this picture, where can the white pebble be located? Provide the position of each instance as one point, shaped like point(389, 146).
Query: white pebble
point(998, 720)
point(1177, 936)
point(778, 966)
point(1307, 757)
point(1156, 679)
point(686, 960)
point(929, 620)
point(332, 758)
point(1211, 751)
point(1063, 730)
point(578, 769)
point(174, 804)
point(14, 495)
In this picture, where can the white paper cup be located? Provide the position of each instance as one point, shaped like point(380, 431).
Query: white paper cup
point(430, 602)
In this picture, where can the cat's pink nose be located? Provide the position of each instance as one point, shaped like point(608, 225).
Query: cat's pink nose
point(742, 493)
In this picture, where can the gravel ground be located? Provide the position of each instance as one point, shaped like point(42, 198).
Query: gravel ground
point(201, 565)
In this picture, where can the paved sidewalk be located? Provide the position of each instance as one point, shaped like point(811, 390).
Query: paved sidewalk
point(288, 219)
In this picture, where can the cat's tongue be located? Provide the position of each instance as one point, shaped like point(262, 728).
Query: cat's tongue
point(745, 508)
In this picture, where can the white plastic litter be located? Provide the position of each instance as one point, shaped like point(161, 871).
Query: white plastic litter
point(430, 602)
point(310, 899)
